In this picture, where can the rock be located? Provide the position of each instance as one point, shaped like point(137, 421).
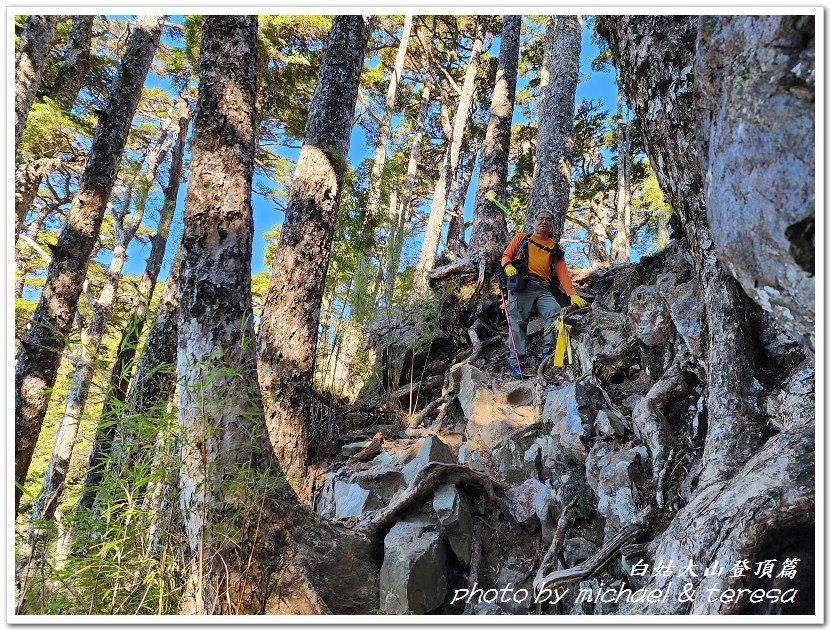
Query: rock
point(533, 499)
point(428, 450)
point(649, 315)
point(513, 577)
point(493, 434)
point(520, 394)
point(355, 447)
point(508, 461)
point(607, 425)
point(757, 154)
point(382, 482)
point(570, 410)
point(483, 405)
point(485, 608)
point(325, 501)
point(614, 475)
point(413, 576)
point(383, 458)
point(685, 301)
point(575, 550)
point(350, 499)
point(532, 461)
point(454, 515)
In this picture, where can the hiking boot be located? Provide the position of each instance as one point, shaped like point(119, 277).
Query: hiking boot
point(515, 372)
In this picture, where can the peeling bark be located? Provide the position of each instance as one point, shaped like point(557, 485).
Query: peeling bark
point(39, 354)
point(552, 172)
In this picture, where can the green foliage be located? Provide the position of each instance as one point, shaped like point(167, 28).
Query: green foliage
point(50, 129)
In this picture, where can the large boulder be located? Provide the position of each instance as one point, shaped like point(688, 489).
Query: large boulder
point(413, 578)
point(482, 405)
point(685, 306)
point(426, 451)
point(649, 315)
point(456, 519)
point(615, 475)
point(755, 98)
point(532, 504)
point(571, 411)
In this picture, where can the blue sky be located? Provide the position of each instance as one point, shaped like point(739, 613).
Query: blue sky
point(594, 85)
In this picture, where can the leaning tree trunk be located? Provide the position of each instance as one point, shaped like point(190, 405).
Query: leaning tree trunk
point(752, 490)
point(438, 208)
point(29, 62)
point(125, 355)
point(91, 338)
point(39, 354)
point(489, 234)
point(291, 313)
point(552, 172)
point(255, 548)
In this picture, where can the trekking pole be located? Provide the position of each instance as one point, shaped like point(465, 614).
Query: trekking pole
point(510, 330)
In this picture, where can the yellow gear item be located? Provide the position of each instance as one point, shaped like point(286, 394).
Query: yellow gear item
point(510, 270)
point(578, 301)
point(563, 340)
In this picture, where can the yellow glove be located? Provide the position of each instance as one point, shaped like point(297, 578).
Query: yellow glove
point(510, 270)
point(577, 301)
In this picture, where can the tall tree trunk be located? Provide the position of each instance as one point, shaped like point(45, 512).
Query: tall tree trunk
point(489, 234)
point(39, 354)
point(291, 313)
point(125, 355)
point(621, 245)
point(432, 235)
point(456, 245)
point(91, 338)
point(598, 228)
point(552, 172)
point(29, 62)
point(244, 528)
point(751, 489)
point(23, 260)
point(395, 246)
point(71, 73)
point(363, 304)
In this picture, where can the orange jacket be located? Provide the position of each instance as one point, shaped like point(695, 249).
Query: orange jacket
point(539, 261)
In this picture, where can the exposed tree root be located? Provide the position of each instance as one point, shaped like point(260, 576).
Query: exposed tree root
point(424, 484)
point(586, 569)
point(549, 561)
point(463, 265)
point(370, 451)
point(475, 565)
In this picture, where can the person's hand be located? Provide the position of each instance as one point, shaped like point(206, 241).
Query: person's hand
point(578, 301)
point(510, 270)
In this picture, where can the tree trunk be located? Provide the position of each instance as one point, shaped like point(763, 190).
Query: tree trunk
point(91, 338)
point(291, 313)
point(29, 62)
point(598, 228)
point(71, 73)
point(455, 230)
point(393, 257)
point(432, 235)
point(489, 234)
point(39, 354)
point(621, 245)
point(242, 524)
point(552, 173)
point(752, 490)
point(23, 260)
point(125, 355)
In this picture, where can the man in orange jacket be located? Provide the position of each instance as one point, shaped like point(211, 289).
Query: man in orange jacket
point(530, 262)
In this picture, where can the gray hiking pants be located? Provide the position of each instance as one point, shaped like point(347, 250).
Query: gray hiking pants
point(519, 305)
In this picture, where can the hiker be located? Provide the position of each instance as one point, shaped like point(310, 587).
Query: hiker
point(530, 262)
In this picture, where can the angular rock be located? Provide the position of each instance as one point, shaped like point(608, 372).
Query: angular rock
point(533, 499)
point(430, 449)
point(649, 315)
point(413, 576)
point(493, 434)
point(571, 410)
point(685, 302)
point(514, 577)
point(508, 460)
point(325, 501)
point(457, 520)
point(607, 425)
point(485, 608)
point(483, 405)
point(575, 550)
point(350, 499)
point(382, 482)
point(614, 475)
